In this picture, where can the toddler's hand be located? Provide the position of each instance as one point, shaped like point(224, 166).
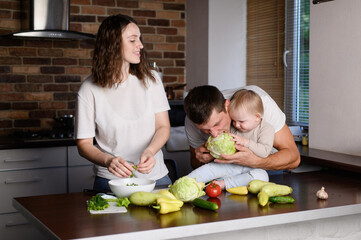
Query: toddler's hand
point(240, 140)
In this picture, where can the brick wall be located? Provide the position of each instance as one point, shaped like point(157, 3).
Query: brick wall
point(39, 78)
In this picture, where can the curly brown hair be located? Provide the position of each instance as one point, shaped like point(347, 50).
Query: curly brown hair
point(107, 57)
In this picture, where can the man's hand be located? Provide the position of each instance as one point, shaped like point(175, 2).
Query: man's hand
point(243, 156)
point(203, 155)
point(200, 156)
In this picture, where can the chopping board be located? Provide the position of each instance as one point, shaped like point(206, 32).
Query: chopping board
point(113, 208)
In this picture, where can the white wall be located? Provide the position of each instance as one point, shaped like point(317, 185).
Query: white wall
point(197, 43)
point(227, 43)
point(335, 76)
point(216, 46)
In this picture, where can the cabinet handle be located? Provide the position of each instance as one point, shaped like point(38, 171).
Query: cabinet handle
point(10, 181)
point(20, 160)
point(11, 224)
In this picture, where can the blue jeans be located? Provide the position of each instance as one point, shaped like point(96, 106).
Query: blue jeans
point(101, 184)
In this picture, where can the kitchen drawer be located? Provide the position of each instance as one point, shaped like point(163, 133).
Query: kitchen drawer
point(29, 183)
point(14, 226)
point(80, 178)
point(32, 158)
point(74, 159)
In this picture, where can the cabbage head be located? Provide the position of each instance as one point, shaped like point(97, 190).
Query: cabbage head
point(187, 189)
point(222, 144)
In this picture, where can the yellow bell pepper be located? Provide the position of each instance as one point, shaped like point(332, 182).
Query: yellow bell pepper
point(175, 202)
point(166, 205)
point(166, 193)
point(242, 190)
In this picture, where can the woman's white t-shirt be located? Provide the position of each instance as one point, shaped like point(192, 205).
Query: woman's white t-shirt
point(122, 120)
point(272, 114)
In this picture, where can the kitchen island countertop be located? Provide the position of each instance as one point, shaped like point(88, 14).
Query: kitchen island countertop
point(65, 216)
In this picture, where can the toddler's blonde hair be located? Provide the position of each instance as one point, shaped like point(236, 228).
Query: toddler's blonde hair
point(247, 99)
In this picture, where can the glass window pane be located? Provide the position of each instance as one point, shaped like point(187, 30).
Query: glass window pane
point(297, 62)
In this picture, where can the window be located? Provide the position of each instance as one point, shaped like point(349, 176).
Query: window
point(296, 62)
point(274, 26)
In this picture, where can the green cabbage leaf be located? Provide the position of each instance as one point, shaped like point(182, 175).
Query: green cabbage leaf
point(222, 144)
point(187, 189)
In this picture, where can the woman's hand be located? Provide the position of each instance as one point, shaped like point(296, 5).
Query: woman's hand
point(147, 162)
point(119, 167)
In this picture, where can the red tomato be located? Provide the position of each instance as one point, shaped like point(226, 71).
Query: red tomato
point(213, 190)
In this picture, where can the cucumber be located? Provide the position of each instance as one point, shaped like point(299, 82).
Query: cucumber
point(199, 202)
point(282, 199)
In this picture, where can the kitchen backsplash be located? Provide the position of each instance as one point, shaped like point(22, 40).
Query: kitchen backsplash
point(39, 78)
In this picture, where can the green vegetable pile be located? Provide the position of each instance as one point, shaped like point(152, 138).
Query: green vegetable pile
point(222, 144)
point(187, 189)
point(98, 203)
point(123, 202)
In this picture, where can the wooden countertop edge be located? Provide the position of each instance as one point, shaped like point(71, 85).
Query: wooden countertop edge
point(30, 217)
point(238, 224)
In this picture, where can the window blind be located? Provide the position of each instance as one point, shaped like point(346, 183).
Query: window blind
point(265, 46)
point(296, 59)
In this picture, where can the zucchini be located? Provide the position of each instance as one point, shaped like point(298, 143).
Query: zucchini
point(199, 202)
point(276, 190)
point(262, 198)
point(282, 199)
point(255, 185)
point(144, 198)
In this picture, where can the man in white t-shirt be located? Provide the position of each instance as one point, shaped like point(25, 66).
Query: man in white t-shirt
point(207, 114)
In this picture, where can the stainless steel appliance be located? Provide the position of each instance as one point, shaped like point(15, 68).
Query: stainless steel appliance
point(47, 19)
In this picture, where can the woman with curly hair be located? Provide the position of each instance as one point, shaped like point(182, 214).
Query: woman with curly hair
point(123, 106)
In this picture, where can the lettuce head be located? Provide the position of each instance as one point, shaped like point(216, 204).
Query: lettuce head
point(222, 144)
point(187, 189)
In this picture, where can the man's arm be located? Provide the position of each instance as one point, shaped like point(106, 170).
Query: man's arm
point(287, 157)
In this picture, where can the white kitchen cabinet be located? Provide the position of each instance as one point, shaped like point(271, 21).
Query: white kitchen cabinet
point(13, 226)
point(80, 171)
point(28, 172)
point(30, 182)
point(30, 158)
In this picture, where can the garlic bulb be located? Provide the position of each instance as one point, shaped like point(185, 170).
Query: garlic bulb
point(322, 194)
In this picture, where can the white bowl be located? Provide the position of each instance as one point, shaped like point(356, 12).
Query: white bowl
point(124, 187)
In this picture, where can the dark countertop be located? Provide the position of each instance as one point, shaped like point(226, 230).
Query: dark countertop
point(64, 216)
point(11, 142)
